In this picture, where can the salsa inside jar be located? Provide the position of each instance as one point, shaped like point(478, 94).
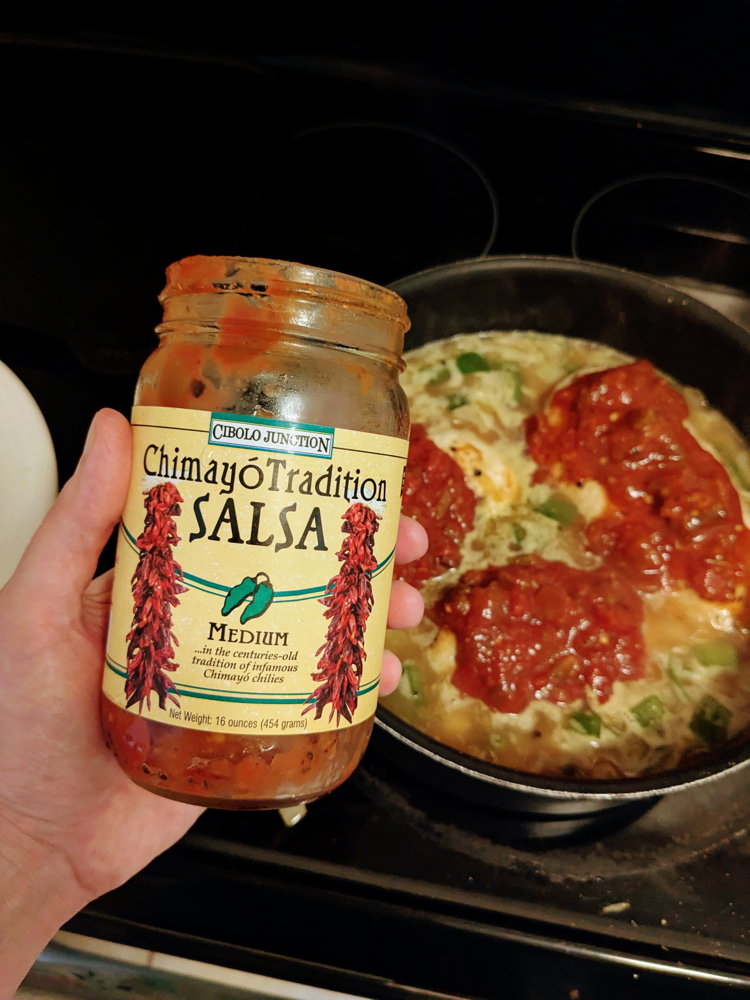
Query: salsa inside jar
point(226, 771)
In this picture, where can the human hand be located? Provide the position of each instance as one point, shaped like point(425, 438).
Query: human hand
point(406, 606)
point(68, 813)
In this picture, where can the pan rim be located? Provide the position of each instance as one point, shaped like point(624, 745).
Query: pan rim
point(560, 263)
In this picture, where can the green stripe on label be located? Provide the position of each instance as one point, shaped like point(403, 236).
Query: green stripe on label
point(208, 694)
point(281, 596)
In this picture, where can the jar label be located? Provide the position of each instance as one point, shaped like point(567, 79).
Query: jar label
point(253, 572)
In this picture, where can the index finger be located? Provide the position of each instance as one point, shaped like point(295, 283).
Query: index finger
point(412, 540)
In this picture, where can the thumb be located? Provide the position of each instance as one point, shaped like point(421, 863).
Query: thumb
point(61, 558)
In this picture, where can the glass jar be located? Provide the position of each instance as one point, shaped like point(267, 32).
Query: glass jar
point(256, 548)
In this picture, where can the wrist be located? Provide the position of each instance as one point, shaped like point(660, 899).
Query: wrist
point(38, 893)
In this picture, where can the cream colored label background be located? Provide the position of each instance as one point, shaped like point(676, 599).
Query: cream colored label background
point(270, 659)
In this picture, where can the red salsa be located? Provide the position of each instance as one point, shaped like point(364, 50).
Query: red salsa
point(673, 517)
point(539, 629)
point(436, 494)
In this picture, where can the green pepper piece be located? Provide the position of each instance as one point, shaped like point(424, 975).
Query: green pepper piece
point(411, 685)
point(675, 669)
point(455, 400)
point(718, 653)
point(497, 741)
point(471, 362)
point(519, 533)
point(260, 601)
point(649, 711)
point(710, 721)
point(587, 723)
point(440, 376)
point(238, 594)
point(514, 370)
point(558, 508)
point(672, 674)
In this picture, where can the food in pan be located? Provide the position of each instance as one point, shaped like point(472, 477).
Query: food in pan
point(586, 587)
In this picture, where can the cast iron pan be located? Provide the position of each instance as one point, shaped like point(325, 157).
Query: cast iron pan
point(637, 315)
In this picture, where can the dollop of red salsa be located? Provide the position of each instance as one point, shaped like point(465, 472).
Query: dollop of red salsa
point(673, 519)
point(436, 494)
point(540, 629)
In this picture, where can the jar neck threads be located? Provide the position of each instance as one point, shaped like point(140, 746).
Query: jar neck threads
point(247, 297)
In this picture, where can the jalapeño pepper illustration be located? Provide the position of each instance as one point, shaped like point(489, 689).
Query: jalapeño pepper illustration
point(238, 594)
point(256, 591)
point(260, 600)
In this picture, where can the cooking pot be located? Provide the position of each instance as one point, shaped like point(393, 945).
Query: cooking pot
point(637, 315)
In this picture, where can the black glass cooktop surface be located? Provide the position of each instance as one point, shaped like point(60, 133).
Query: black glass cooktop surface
point(387, 884)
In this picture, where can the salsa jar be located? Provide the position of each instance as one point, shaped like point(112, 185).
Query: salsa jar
point(255, 552)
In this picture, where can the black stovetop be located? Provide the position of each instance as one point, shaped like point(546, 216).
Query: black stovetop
point(118, 162)
point(386, 886)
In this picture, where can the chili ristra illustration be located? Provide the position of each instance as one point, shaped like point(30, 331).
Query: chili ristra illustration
point(155, 585)
point(349, 600)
